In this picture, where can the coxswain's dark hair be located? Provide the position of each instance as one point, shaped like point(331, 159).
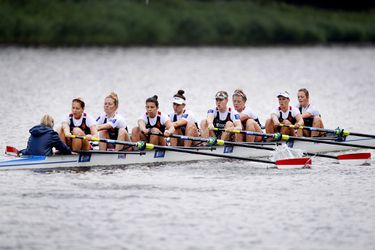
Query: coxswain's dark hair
point(153, 99)
point(180, 94)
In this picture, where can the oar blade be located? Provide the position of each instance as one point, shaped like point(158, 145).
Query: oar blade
point(354, 158)
point(9, 150)
point(294, 163)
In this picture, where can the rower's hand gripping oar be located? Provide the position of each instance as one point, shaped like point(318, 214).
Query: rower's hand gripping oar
point(337, 131)
point(284, 163)
point(279, 136)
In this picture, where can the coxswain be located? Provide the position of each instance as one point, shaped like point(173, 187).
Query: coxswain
point(43, 139)
point(153, 125)
point(221, 117)
point(80, 124)
point(285, 114)
point(249, 120)
point(111, 125)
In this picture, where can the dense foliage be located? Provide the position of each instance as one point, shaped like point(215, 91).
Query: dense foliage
point(179, 22)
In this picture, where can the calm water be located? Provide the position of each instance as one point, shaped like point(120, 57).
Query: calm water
point(201, 205)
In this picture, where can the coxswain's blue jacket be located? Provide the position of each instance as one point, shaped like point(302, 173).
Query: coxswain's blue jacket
point(42, 140)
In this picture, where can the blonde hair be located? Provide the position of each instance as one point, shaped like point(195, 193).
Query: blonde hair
point(240, 93)
point(114, 97)
point(47, 120)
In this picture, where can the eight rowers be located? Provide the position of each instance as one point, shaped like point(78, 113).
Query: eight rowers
point(183, 120)
point(249, 120)
point(311, 116)
point(151, 123)
point(80, 124)
point(284, 114)
point(221, 117)
point(111, 125)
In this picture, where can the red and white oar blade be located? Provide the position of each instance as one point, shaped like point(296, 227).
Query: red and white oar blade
point(354, 158)
point(294, 163)
point(9, 150)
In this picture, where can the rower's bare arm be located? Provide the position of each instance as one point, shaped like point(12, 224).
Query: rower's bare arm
point(142, 126)
point(106, 126)
point(66, 129)
point(169, 128)
point(299, 120)
point(244, 117)
point(210, 122)
point(180, 123)
point(306, 115)
point(275, 120)
point(94, 131)
point(237, 125)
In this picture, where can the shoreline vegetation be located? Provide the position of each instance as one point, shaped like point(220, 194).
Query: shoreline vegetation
point(181, 23)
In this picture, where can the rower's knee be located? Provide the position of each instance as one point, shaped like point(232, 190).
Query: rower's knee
point(269, 126)
point(317, 122)
point(250, 125)
point(104, 134)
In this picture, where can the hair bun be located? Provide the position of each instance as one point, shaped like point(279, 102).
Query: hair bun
point(114, 95)
point(155, 97)
point(180, 92)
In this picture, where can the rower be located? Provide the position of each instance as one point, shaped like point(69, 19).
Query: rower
point(221, 117)
point(151, 123)
point(78, 123)
point(183, 120)
point(43, 139)
point(111, 125)
point(285, 114)
point(249, 119)
point(310, 114)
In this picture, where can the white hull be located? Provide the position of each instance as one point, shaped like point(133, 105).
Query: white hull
point(93, 159)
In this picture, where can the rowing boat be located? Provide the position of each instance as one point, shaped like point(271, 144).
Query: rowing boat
point(87, 159)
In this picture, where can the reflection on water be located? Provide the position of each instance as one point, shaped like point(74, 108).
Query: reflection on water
point(199, 205)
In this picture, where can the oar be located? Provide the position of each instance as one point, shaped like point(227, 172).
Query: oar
point(284, 163)
point(214, 141)
point(9, 150)
point(337, 131)
point(278, 136)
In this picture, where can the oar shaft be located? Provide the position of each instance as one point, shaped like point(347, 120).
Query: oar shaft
point(214, 141)
point(279, 136)
point(338, 131)
point(152, 146)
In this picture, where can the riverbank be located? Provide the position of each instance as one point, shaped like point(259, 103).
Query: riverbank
point(179, 23)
